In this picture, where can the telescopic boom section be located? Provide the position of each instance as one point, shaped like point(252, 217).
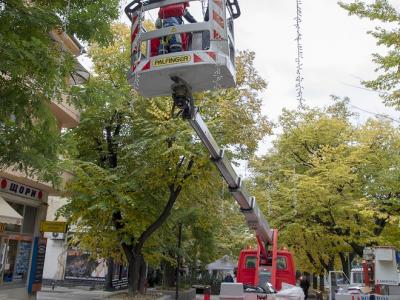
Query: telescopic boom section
point(182, 96)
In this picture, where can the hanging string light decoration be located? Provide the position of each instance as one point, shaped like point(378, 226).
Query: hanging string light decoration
point(299, 59)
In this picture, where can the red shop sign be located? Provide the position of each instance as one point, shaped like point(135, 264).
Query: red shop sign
point(19, 189)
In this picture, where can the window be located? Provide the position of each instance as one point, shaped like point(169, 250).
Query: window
point(251, 262)
point(358, 277)
point(281, 263)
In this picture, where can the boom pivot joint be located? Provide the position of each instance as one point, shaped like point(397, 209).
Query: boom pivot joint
point(182, 96)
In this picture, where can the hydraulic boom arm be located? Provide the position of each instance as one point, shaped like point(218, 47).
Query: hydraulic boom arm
point(183, 99)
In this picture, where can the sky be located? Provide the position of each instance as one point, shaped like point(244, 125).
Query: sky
point(337, 55)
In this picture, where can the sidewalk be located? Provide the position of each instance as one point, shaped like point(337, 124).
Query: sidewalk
point(82, 293)
point(78, 293)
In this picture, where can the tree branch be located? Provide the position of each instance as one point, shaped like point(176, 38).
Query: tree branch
point(127, 248)
point(188, 172)
point(308, 149)
point(178, 167)
point(99, 148)
point(173, 195)
point(299, 159)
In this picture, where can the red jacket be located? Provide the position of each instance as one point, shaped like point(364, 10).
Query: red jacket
point(173, 10)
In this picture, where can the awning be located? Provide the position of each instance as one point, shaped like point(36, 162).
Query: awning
point(8, 215)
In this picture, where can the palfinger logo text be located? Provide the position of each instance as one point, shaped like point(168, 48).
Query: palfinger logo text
point(172, 60)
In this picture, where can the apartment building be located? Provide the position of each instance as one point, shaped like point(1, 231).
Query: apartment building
point(24, 204)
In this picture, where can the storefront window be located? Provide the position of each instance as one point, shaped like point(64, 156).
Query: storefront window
point(3, 248)
point(16, 246)
point(11, 256)
point(22, 261)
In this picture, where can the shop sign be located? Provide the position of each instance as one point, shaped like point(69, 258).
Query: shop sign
point(36, 274)
point(53, 226)
point(12, 187)
point(20, 237)
point(2, 227)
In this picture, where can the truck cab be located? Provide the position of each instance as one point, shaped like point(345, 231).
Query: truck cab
point(254, 269)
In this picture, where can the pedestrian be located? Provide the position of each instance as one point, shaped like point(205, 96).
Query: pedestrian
point(305, 285)
point(228, 278)
point(168, 16)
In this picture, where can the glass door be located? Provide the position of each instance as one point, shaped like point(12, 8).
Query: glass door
point(3, 250)
point(10, 260)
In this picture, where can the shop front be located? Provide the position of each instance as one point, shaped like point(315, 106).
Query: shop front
point(21, 208)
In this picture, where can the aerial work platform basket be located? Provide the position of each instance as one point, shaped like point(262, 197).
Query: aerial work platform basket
point(206, 60)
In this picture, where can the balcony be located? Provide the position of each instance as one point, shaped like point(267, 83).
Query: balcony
point(68, 43)
point(66, 114)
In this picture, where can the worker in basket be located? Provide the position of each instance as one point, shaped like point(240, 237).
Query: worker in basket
point(172, 15)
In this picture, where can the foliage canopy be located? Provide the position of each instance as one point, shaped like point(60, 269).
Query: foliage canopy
point(32, 73)
point(332, 187)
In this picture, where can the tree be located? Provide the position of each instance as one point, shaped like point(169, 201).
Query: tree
point(330, 185)
point(133, 160)
point(387, 82)
point(32, 73)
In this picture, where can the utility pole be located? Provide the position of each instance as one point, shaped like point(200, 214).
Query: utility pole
point(178, 260)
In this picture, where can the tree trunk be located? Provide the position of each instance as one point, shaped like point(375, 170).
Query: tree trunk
point(169, 274)
point(321, 283)
point(133, 252)
point(109, 277)
point(314, 281)
point(344, 258)
point(142, 275)
point(135, 261)
point(331, 263)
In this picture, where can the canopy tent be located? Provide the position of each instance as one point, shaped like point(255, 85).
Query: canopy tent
point(8, 215)
point(224, 263)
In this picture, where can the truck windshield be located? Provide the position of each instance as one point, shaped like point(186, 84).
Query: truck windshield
point(357, 277)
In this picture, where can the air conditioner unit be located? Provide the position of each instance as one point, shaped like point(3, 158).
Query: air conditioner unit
point(54, 235)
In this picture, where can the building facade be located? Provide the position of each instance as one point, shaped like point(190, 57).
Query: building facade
point(24, 204)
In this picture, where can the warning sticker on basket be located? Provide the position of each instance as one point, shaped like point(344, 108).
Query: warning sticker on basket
point(172, 60)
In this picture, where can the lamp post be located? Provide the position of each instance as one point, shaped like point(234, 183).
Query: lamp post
point(178, 260)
